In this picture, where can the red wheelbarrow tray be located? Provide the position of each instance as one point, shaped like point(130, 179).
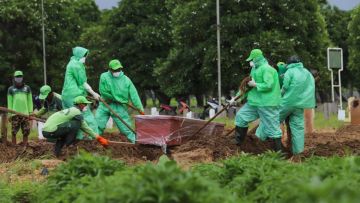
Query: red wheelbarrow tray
point(171, 130)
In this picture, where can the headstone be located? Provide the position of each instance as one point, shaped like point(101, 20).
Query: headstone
point(355, 112)
point(110, 123)
point(211, 113)
point(154, 111)
point(341, 115)
point(309, 120)
point(350, 101)
point(40, 126)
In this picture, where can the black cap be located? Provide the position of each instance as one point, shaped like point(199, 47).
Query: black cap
point(293, 59)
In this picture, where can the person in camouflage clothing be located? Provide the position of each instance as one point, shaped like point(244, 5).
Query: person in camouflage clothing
point(19, 99)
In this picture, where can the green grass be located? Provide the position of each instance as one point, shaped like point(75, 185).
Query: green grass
point(332, 123)
point(229, 123)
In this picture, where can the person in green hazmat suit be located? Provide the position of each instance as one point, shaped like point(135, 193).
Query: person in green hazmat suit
point(75, 84)
point(263, 100)
point(281, 71)
point(298, 93)
point(117, 90)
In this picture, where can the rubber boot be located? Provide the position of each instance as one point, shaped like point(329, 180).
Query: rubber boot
point(240, 134)
point(58, 146)
point(278, 145)
point(13, 140)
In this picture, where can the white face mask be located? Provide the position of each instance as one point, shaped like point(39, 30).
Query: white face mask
point(18, 80)
point(252, 64)
point(116, 74)
point(84, 109)
point(82, 60)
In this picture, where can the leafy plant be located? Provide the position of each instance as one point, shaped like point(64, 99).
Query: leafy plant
point(83, 165)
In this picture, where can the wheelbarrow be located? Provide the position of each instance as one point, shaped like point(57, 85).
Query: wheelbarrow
point(167, 131)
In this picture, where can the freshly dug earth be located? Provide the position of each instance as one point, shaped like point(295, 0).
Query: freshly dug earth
point(201, 148)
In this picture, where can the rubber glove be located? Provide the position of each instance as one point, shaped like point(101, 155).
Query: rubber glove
point(252, 83)
point(91, 91)
point(104, 142)
point(232, 101)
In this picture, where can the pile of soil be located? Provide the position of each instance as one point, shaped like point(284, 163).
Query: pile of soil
point(201, 148)
point(345, 141)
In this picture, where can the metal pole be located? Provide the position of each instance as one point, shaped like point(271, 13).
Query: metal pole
point(218, 50)
point(43, 40)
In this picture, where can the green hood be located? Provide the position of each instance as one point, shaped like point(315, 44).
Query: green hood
point(295, 65)
point(281, 67)
point(260, 60)
point(79, 52)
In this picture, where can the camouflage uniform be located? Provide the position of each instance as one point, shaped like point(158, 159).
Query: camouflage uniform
point(18, 122)
point(19, 99)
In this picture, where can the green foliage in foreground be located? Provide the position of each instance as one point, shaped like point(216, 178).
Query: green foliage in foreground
point(246, 178)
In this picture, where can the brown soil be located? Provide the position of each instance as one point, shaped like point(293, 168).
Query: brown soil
point(201, 148)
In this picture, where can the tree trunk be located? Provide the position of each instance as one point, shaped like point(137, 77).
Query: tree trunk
point(199, 100)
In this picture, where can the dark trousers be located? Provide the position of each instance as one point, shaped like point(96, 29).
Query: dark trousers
point(65, 134)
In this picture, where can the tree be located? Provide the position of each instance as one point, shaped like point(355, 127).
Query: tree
point(139, 35)
point(337, 22)
point(280, 28)
point(354, 45)
point(21, 39)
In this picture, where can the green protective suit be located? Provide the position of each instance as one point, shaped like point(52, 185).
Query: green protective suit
point(75, 77)
point(299, 94)
point(268, 125)
point(262, 101)
point(118, 92)
point(267, 90)
point(281, 71)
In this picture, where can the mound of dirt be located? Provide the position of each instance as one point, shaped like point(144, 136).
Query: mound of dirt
point(42, 149)
point(201, 148)
point(344, 141)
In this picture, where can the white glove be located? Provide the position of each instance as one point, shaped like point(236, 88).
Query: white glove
point(252, 83)
point(91, 91)
point(232, 101)
point(96, 96)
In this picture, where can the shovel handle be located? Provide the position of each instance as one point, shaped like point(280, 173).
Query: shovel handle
point(116, 115)
point(217, 114)
point(4, 109)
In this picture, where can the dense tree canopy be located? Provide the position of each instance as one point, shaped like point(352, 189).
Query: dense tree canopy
point(279, 28)
point(169, 46)
point(354, 45)
point(21, 38)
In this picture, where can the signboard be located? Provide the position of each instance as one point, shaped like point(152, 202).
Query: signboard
point(335, 64)
point(335, 58)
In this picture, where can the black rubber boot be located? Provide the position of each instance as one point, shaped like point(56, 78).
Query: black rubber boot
point(240, 134)
point(278, 145)
point(58, 146)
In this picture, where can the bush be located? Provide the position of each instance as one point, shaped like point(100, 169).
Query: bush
point(267, 178)
point(68, 180)
point(164, 182)
point(246, 178)
point(82, 165)
point(23, 192)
